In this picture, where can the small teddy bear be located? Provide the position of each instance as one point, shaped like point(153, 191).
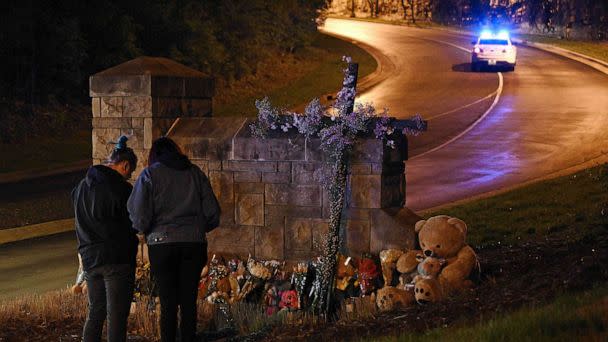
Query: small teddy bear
point(429, 268)
point(391, 298)
point(388, 263)
point(406, 266)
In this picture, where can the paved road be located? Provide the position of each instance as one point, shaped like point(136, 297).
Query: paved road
point(552, 112)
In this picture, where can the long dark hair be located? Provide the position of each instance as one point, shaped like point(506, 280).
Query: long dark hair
point(121, 153)
point(163, 149)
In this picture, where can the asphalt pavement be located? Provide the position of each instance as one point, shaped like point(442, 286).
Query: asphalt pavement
point(548, 115)
point(551, 113)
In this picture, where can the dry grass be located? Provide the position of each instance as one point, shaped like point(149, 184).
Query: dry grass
point(357, 309)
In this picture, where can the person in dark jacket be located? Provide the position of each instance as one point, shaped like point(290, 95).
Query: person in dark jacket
point(174, 206)
point(107, 242)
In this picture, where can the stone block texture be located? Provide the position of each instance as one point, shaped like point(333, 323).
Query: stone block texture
point(268, 185)
point(273, 206)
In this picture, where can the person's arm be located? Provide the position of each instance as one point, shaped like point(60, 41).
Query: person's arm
point(211, 208)
point(141, 203)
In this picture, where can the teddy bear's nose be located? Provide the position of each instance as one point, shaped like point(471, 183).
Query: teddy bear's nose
point(428, 253)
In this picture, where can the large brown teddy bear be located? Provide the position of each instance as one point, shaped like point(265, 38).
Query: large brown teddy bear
point(444, 237)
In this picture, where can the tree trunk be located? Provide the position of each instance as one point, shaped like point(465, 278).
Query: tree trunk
point(352, 9)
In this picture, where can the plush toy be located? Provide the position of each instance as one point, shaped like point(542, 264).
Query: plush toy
point(388, 262)
point(289, 300)
point(368, 271)
point(427, 290)
point(429, 268)
point(406, 266)
point(391, 298)
point(444, 237)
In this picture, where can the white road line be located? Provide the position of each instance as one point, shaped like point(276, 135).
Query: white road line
point(498, 92)
point(462, 107)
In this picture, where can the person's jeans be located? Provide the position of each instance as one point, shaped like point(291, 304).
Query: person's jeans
point(110, 294)
point(176, 268)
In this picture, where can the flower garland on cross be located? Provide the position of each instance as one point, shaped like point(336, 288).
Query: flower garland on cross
point(338, 128)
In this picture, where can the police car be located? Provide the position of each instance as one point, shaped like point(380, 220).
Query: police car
point(493, 49)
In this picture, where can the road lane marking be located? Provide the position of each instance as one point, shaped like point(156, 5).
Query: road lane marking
point(498, 93)
point(463, 107)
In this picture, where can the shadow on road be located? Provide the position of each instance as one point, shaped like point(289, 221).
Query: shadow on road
point(462, 67)
point(466, 67)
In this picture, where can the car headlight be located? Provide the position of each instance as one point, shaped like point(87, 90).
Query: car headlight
point(477, 50)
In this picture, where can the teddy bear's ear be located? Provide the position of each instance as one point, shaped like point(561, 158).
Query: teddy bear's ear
point(419, 225)
point(459, 224)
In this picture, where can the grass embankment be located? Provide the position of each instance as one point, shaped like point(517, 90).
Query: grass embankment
point(288, 80)
point(572, 317)
point(571, 208)
point(593, 49)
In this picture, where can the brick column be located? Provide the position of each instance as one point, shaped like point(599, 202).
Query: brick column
point(142, 98)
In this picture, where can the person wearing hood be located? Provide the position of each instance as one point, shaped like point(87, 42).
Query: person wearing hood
point(107, 243)
point(173, 205)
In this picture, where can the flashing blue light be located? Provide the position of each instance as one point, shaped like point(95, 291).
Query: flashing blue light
point(503, 34)
point(485, 35)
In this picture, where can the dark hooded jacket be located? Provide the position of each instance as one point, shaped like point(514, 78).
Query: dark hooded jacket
point(172, 201)
point(103, 228)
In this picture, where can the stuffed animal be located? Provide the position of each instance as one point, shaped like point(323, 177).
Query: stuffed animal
point(388, 263)
point(391, 298)
point(429, 268)
point(368, 271)
point(427, 290)
point(406, 266)
point(289, 300)
point(444, 237)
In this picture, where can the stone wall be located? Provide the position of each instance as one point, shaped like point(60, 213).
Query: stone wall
point(272, 205)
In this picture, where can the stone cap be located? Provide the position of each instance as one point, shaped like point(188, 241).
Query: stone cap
point(151, 76)
point(230, 138)
point(207, 138)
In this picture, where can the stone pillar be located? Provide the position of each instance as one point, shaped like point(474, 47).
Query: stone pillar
point(143, 98)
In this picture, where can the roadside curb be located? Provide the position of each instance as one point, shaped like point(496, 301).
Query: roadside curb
point(20, 176)
point(36, 230)
point(576, 56)
point(597, 161)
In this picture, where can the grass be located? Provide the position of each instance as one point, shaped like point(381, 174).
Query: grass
point(45, 153)
point(317, 70)
point(572, 317)
point(572, 207)
point(593, 49)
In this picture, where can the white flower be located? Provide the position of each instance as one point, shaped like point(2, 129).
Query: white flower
point(391, 144)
